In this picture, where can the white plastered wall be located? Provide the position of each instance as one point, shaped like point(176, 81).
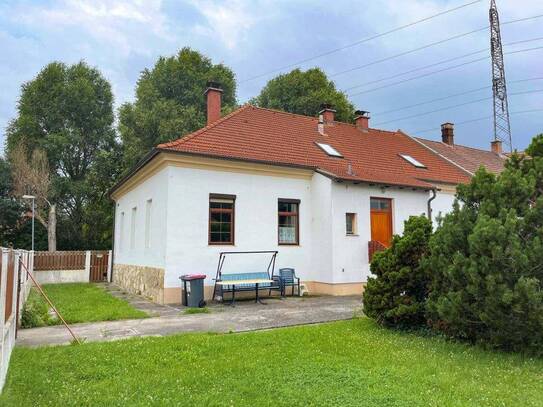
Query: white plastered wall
point(155, 188)
point(188, 250)
point(350, 252)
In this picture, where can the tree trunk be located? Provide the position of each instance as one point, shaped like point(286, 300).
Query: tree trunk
point(52, 229)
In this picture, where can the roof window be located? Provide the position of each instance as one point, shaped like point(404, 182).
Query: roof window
point(412, 161)
point(328, 149)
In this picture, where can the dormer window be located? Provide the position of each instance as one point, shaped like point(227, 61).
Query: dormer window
point(328, 149)
point(412, 161)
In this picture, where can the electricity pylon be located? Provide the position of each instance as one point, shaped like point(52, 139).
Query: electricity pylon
point(502, 127)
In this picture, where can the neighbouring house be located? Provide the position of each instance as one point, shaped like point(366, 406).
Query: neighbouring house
point(323, 193)
point(468, 159)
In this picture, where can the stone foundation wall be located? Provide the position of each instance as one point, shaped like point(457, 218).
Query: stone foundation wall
point(141, 280)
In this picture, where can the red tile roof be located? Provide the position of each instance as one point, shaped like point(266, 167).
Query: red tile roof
point(471, 159)
point(275, 137)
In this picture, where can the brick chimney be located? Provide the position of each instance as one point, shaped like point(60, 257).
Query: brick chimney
point(328, 112)
point(213, 94)
point(447, 133)
point(496, 146)
point(361, 119)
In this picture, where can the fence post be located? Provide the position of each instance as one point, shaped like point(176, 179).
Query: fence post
point(3, 282)
point(109, 264)
point(88, 263)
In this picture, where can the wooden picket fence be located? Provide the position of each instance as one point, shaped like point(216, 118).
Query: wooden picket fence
point(14, 290)
point(63, 260)
point(95, 262)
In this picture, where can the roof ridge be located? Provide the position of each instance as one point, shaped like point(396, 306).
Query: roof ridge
point(282, 111)
point(189, 136)
point(316, 118)
point(455, 145)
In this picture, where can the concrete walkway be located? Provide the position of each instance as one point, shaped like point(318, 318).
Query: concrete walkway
point(245, 316)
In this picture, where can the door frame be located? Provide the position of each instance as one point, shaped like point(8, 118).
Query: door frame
point(389, 211)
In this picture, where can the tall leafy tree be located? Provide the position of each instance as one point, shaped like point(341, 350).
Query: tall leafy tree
point(303, 93)
point(67, 112)
point(170, 103)
point(10, 208)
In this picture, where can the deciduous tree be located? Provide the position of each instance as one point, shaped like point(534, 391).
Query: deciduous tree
point(67, 111)
point(31, 176)
point(303, 93)
point(170, 102)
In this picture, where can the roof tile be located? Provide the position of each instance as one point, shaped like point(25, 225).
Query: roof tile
point(275, 137)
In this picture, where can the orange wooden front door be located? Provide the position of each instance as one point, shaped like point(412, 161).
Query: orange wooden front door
point(381, 220)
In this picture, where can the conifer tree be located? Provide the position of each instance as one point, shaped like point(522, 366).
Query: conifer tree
point(396, 295)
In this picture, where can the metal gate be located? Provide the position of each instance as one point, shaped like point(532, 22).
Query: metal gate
point(98, 266)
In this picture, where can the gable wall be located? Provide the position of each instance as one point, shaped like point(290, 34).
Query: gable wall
point(154, 188)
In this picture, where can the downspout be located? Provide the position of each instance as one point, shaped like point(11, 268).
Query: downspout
point(430, 203)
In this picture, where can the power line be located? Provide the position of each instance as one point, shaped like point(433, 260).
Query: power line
point(437, 63)
point(476, 120)
point(428, 46)
point(453, 106)
point(450, 97)
point(438, 71)
point(353, 44)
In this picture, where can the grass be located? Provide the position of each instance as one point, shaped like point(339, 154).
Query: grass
point(203, 310)
point(349, 363)
point(77, 302)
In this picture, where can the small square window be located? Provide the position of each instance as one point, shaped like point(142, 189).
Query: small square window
point(350, 223)
point(328, 149)
point(412, 161)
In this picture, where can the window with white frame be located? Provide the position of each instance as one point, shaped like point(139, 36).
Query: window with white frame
point(148, 208)
point(350, 223)
point(133, 228)
point(121, 233)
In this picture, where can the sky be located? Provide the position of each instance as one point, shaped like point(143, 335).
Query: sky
point(254, 37)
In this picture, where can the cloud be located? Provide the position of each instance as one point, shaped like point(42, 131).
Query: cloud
point(116, 23)
point(123, 37)
point(228, 22)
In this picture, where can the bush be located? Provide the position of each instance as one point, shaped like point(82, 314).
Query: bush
point(35, 312)
point(486, 260)
point(397, 295)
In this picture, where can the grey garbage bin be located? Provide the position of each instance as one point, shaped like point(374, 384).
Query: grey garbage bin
point(193, 290)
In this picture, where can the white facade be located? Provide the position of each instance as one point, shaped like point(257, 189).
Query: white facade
point(171, 214)
point(154, 189)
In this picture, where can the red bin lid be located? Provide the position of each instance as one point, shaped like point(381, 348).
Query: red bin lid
point(193, 277)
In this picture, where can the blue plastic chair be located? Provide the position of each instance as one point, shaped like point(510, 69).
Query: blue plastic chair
point(288, 278)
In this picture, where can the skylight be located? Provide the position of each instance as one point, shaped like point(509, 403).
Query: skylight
point(412, 161)
point(328, 149)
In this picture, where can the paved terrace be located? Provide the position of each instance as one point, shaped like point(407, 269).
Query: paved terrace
point(245, 316)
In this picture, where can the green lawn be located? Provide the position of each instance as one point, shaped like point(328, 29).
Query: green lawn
point(78, 302)
point(350, 363)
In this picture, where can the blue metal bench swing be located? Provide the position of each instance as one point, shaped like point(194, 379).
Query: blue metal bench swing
point(220, 289)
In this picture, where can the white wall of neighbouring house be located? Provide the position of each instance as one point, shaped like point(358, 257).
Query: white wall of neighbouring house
point(442, 204)
point(141, 223)
point(350, 252)
point(256, 222)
